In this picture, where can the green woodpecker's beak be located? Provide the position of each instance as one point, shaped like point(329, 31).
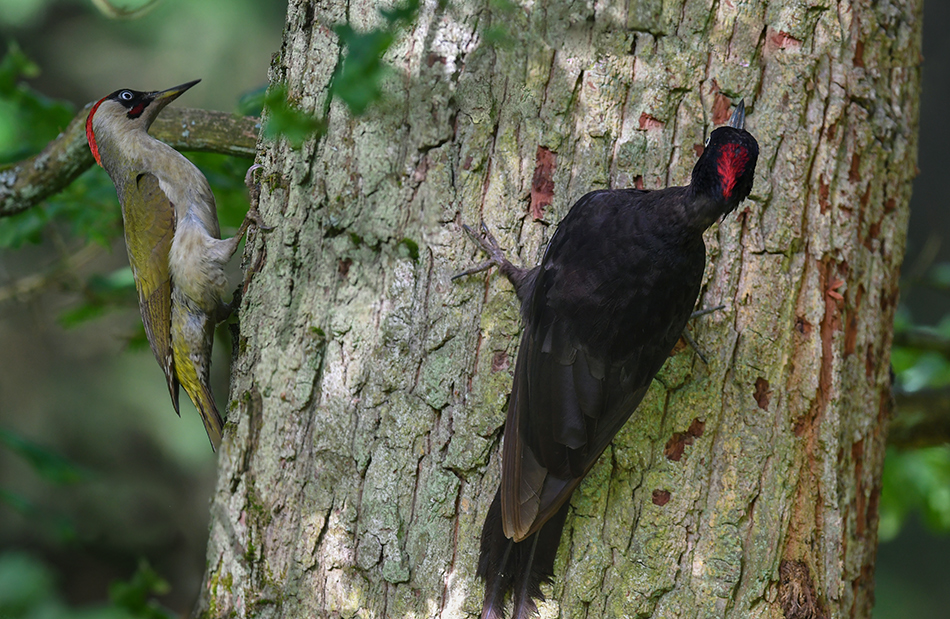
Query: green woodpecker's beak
point(738, 117)
point(161, 98)
point(164, 97)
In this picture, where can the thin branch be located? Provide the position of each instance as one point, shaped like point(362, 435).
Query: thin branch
point(922, 419)
point(28, 182)
point(923, 339)
point(38, 282)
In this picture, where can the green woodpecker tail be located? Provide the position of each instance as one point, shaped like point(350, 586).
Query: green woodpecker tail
point(192, 332)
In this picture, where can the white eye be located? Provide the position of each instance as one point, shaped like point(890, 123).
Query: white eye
point(126, 95)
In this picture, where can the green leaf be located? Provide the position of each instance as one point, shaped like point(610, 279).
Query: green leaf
point(403, 13)
point(23, 228)
point(915, 481)
point(285, 119)
point(412, 247)
point(358, 79)
point(134, 595)
point(251, 103)
point(15, 64)
point(29, 120)
point(48, 464)
point(25, 583)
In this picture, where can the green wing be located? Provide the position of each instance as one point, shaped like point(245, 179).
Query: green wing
point(149, 219)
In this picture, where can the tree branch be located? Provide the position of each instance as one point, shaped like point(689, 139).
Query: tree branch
point(28, 182)
point(923, 339)
point(922, 419)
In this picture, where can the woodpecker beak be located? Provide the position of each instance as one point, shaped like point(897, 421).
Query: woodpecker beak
point(161, 98)
point(738, 117)
point(164, 97)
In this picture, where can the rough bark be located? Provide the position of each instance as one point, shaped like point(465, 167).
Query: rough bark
point(361, 451)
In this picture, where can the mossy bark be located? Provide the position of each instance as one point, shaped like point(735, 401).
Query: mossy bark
point(368, 396)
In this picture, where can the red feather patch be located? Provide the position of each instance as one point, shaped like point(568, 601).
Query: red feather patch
point(136, 111)
point(90, 136)
point(732, 162)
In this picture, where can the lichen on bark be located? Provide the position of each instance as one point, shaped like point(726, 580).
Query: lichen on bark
point(361, 451)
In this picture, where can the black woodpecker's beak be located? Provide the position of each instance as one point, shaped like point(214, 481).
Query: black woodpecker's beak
point(738, 117)
point(161, 98)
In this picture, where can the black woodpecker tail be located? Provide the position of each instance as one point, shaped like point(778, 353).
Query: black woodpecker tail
point(518, 567)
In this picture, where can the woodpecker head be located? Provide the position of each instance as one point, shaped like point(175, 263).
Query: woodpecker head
point(725, 169)
point(128, 110)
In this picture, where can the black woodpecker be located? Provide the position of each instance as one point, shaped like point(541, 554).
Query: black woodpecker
point(601, 314)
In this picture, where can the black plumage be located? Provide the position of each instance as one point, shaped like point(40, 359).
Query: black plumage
point(601, 314)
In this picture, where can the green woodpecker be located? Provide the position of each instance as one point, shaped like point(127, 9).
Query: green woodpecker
point(172, 236)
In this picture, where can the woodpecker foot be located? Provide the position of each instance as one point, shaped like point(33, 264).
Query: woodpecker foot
point(254, 192)
point(696, 349)
point(226, 310)
point(689, 338)
point(489, 245)
point(253, 186)
point(254, 218)
point(708, 310)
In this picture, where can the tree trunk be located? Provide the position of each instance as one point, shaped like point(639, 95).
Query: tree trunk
point(368, 397)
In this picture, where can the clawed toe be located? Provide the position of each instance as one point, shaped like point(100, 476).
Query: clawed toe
point(249, 181)
point(489, 245)
point(689, 339)
point(255, 217)
point(708, 310)
point(254, 190)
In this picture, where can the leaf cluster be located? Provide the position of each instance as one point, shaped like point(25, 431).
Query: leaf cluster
point(357, 80)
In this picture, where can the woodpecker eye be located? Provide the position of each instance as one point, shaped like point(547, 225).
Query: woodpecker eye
point(126, 95)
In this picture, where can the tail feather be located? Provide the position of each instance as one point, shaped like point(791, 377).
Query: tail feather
point(209, 415)
point(519, 567)
point(172, 380)
point(493, 562)
point(192, 334)
point(196, 386)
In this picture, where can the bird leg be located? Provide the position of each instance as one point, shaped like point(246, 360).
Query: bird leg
point(496, 257)
point(689, 338)
point(254, 196)
point(254, 218)
point(708, 310)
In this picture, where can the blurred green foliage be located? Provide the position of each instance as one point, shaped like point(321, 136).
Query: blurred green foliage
point(53, 469)
point(286, 119)
point(28, 591)
point(918, 369)
point(47, 464)
point(917, 481)
point(28, 120)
